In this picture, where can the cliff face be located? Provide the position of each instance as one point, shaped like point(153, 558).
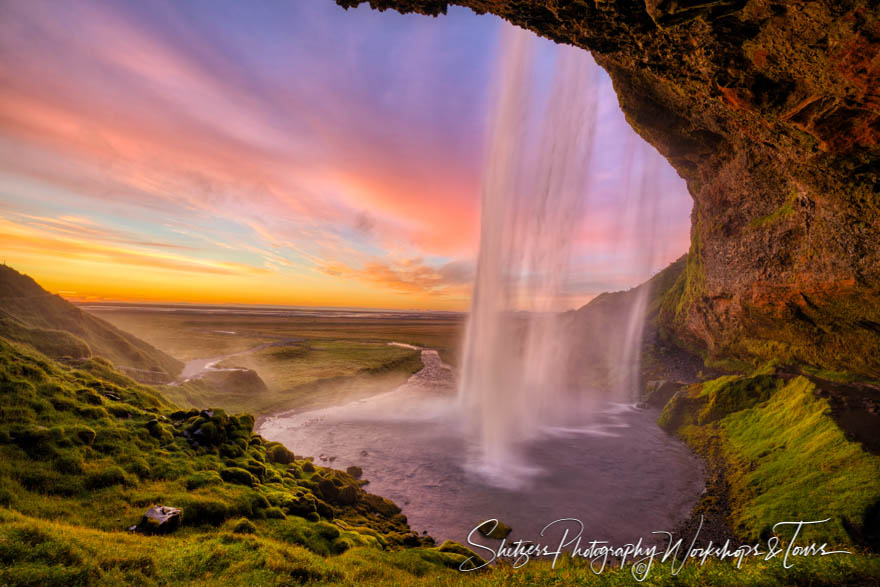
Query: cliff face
point(771, 112)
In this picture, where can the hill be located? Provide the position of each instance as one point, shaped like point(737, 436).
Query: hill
point(29, 314)
point(86, 447)
point(597, 361)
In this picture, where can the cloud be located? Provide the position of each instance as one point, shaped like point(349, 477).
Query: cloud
point(408, 275)
point(34, 238)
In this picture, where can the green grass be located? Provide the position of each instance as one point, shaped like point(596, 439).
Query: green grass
point(32, 315)
point(193, 335)
point(786, 458)
point(319, 360)
point(290, 366)
point(792, 462)
point(83, 450)
point(43, 552)
point(301, 375)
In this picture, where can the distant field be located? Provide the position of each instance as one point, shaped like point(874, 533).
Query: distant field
point(313, 358)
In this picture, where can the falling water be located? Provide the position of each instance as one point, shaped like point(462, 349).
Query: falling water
point(637, 226)
point(535, 180)
point(514, 383)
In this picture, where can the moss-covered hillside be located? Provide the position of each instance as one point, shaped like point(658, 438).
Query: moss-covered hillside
point(89, 449)
point(781, 455)
point(31, 315)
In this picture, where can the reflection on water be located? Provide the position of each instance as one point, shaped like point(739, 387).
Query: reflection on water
point(616, 471)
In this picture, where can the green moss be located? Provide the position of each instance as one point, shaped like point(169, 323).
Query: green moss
point(784, 211)
point(792, 462)
point(244, 526)
point(108, 477)
point(787, 460)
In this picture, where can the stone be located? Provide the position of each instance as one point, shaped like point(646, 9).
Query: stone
point(159, 519)
point(658, 393)
point(495, 529)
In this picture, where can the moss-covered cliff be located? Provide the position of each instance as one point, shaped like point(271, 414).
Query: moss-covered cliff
point(771, 112)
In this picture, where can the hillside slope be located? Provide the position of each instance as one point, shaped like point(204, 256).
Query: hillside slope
point(597, 360)
point(89, 449)
point(31, 315)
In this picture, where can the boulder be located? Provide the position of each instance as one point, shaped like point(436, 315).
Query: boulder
point(495, 529)
point(658, 393)
point(159, 519)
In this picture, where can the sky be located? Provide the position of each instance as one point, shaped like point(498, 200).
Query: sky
point(276, 152)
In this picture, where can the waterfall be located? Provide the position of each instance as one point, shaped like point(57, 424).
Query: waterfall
point(534, 184)
point(515, 383)
point(637, 227)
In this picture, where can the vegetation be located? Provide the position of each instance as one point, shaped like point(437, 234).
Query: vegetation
point(786, 459)
point(59, 329)
point(88, 452)
point(85, 451)
point(193, 335)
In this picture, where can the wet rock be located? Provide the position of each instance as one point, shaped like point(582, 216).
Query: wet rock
point(159, 519)
point(355, 471)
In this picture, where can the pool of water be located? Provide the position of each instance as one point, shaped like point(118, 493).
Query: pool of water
point(616, 471)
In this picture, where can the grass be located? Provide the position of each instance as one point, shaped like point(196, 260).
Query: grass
point(32, 315)
point(301, 375)
point(786, 458)
point(309, 361)
point(192, 335)
point(793, 462)
point(42, 552)
point(84, 451)
point(312, 362)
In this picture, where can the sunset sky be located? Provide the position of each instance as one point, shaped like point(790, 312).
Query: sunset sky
point(278, 152)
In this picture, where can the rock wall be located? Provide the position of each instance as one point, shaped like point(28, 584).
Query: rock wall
point(771, 112)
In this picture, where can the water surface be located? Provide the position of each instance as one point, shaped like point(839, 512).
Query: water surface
point(618, 473)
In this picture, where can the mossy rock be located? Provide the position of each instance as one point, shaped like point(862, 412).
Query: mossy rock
point(244, 526)
point(495, 529)
point(278, 453)
point(682, 409)
point(238, 476)
point(202, 510)
point(382, 506)
point(448, 546)
point(274, 513)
